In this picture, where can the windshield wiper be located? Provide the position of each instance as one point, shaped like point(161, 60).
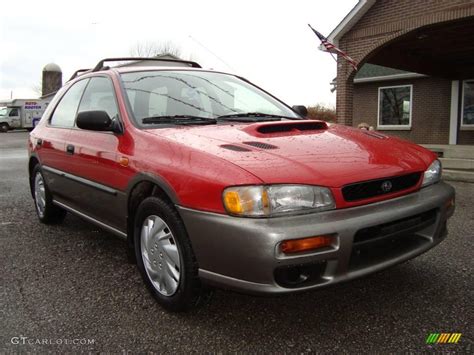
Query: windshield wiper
point(179, 119)
point(251, 117)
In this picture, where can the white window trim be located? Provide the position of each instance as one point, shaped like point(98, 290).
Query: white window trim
point(454, 112)
point(464, 127)
point(395, 127)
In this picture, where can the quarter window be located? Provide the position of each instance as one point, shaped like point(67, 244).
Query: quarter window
point(468, 104)
point(65, 113)
point(99, 96)
point(395, 104)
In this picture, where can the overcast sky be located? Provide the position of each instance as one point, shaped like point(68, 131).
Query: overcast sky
point(268, 42)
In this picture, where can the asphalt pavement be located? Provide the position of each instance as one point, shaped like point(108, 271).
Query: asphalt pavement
point(69, 288)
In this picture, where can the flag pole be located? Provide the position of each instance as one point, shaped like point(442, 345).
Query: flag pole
point(332, 49)
point(332, 54)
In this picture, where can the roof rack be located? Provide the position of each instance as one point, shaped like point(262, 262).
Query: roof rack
point(78, 72)
point(100, 65)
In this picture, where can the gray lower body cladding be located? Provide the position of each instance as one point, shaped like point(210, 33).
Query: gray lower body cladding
point(243, 253)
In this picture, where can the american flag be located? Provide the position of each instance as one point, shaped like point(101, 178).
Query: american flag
point(331, 48)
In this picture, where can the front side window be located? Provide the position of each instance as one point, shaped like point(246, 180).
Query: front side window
point(395, 106)
point(14, 112)
point(65, 112)
point(468, 104)
point(196, 93)
point(99, 96)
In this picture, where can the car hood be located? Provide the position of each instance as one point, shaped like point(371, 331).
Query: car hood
point(304, 152)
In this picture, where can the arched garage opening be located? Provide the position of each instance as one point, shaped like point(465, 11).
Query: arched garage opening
point(415, 77)
point(416, 83)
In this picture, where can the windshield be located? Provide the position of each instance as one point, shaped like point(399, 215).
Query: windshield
point(200, 94)
point(3, 111)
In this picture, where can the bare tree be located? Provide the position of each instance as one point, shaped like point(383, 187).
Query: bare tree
point(38, 88)
point(152, 49)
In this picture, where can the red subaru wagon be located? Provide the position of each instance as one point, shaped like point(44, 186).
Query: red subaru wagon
point(215, 182)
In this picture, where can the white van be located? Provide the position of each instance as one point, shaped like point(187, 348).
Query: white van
point(21, 113)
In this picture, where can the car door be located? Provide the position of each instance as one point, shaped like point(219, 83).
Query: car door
point(51, 143)
point(97, 159)
point(15, 119)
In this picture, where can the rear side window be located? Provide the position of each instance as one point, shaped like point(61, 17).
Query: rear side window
point(99, 96)
point(64, 114)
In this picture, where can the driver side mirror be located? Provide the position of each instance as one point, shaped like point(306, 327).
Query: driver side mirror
point(97, 121)
point(301, 110)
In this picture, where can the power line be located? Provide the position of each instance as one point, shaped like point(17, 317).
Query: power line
point(215, 55)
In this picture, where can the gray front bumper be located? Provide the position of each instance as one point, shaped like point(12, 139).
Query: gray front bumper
point(243, 253)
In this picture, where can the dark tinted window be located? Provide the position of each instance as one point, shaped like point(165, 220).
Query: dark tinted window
point(99, 96)
point(395, 106)
point(14, 112)
point(64, 114)
point(468, 103)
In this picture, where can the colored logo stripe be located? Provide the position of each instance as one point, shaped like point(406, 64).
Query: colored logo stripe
point(443, 338)
point(432, 338)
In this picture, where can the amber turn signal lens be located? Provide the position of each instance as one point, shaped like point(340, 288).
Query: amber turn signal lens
point(232, 202)
point(450, 203)
point(123, 161)
point(305, 244)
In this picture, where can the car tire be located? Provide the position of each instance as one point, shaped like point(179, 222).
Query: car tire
point(165, 257)
point(4, 127)
point(47, 212)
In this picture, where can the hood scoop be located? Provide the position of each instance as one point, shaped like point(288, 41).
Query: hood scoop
point(261, 145)
point(289, 128)
point(235, 148)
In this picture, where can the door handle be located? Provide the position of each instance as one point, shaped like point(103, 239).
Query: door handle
point(70, 149)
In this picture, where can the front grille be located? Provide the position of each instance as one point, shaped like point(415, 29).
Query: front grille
point(373, 254)
point(388, 241)
point(373, 188)
point(392, 229)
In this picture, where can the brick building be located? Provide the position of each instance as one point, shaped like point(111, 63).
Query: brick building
point(416, 76)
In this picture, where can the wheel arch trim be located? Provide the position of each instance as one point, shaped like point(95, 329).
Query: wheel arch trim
point(156, 180)
point(30, 169)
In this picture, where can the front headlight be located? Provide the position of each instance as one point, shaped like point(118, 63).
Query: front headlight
point(432, 174)
point(274, 200)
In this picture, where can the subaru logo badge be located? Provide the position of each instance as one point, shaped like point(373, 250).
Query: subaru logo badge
point(386, 186)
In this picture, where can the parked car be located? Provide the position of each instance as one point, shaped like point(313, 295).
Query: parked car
point(215, 182)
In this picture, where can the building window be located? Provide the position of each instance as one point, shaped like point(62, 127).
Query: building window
point(468, 104)
point(395, 103)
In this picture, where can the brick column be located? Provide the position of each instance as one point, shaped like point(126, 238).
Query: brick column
point(344, 93)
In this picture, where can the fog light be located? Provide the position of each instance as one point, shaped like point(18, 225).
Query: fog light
point(305, 244)
point(293, 276)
